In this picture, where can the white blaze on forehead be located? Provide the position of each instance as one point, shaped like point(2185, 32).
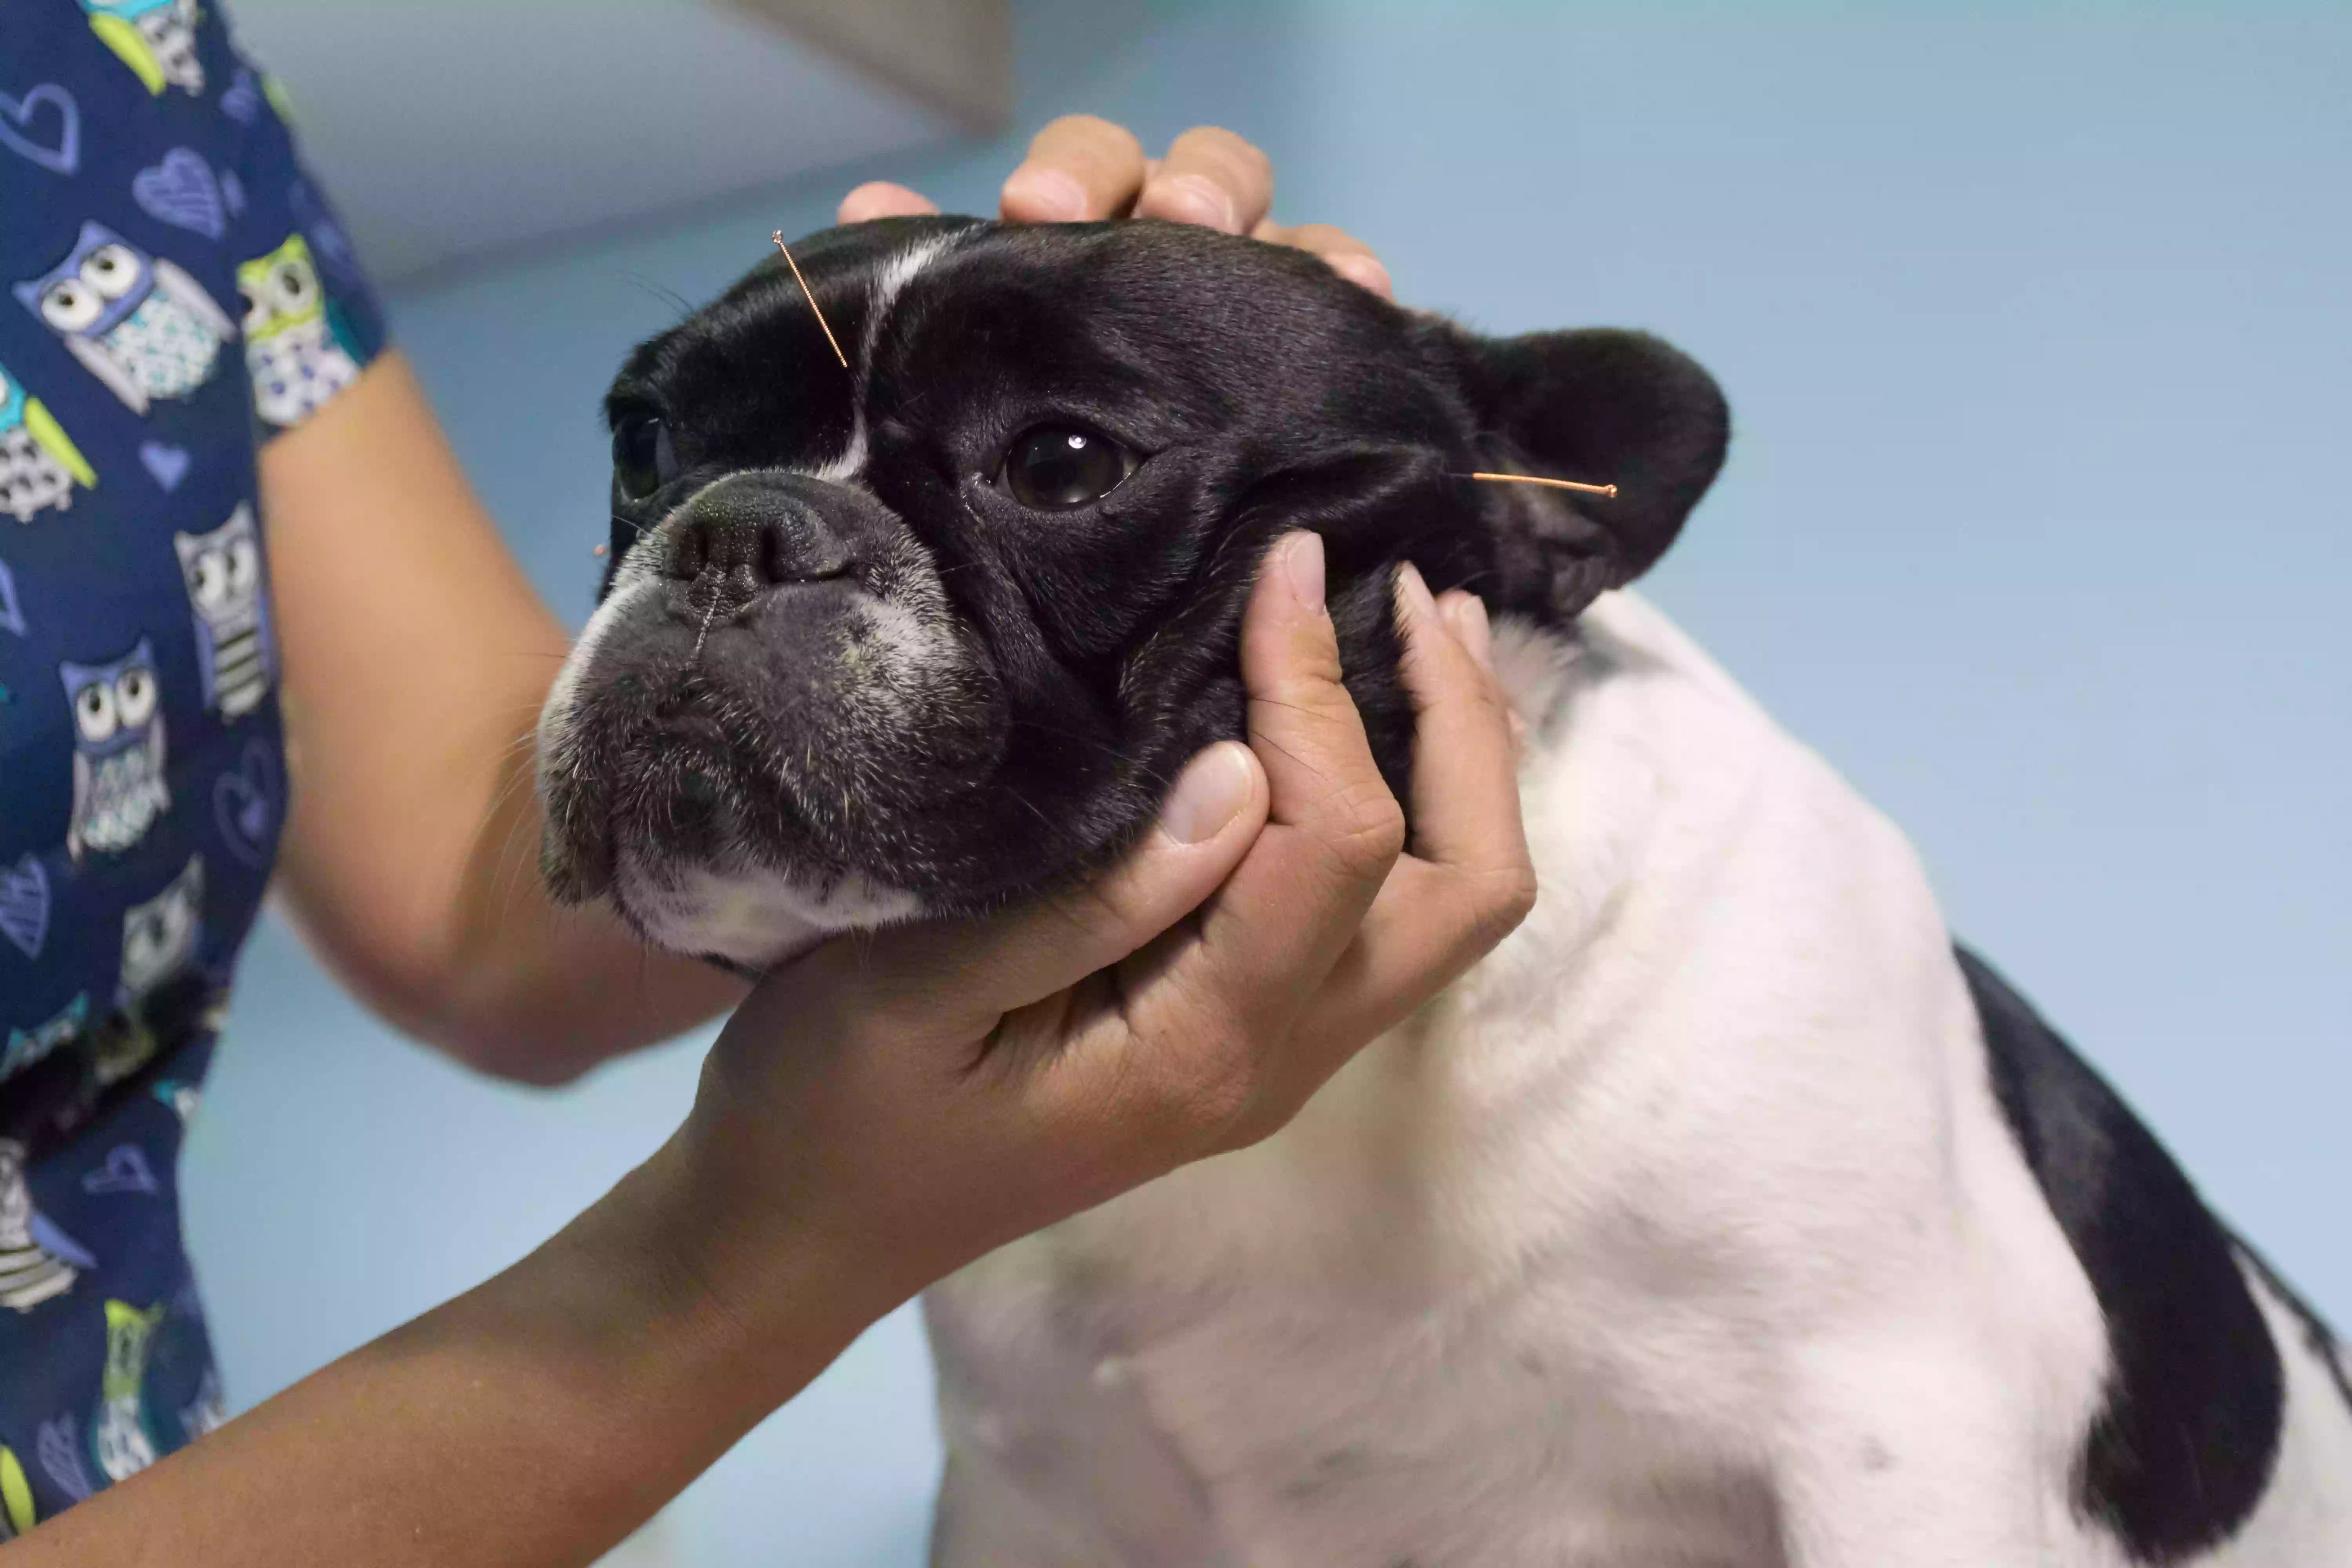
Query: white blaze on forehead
point(891, 276)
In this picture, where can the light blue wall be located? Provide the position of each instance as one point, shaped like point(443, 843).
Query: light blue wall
point(2036, 324)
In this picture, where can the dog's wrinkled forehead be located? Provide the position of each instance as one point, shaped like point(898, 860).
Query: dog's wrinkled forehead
point(958, 330)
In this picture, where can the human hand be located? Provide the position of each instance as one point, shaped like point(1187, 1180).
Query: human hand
point(906, 1103)
point(1081, 169)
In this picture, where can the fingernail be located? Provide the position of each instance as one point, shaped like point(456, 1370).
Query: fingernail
point(1196, 198)
point(1048, 193)
point(1302, 564)
point(1412, 589)
point(1364, 271)
point(1209, 794)
point(1469, 618)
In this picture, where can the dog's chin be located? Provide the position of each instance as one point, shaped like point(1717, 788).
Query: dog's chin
point(747, 917)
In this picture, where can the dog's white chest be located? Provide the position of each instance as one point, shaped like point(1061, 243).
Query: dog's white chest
point(1273, 1431)
point(1286, 1359)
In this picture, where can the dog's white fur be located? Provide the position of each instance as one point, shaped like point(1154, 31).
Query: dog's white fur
point(1684, 1231)
point(890, 279)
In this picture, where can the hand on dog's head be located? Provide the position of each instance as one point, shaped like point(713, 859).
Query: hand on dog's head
point(933, 632)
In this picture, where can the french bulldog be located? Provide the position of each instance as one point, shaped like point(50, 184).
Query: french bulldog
point(1726, 1216)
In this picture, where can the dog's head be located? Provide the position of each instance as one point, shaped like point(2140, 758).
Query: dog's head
point(928, 632)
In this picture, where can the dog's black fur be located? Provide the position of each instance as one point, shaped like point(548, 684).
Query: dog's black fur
point(1257, 393)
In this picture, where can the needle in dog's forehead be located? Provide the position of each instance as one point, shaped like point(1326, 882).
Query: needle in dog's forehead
point(805, 291)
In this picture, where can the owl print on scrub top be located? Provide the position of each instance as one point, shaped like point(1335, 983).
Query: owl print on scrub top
point(141, 325)
point(293, 351)
point(156, 39)
point(223, 571)
point(119, 1438)
point(161, 935)
point(29, 1273)
point(39, 464)
point(150, 198)
point(119, 784)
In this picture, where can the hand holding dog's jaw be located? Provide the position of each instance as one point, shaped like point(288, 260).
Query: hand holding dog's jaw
point(914, 1098)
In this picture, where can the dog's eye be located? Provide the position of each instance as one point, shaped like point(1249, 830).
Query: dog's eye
point(643, 459)
point(1056, 467)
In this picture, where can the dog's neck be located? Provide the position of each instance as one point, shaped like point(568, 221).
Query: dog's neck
point(1633, 743)
point(1679, 838)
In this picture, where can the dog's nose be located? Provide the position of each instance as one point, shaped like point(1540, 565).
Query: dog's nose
point(748, 537)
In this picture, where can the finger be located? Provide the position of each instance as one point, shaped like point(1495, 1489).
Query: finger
point(1470, 880)
point(1465, 789)
point(1078, 168)
point(1349, 257)
point(880, 198)
point(1302, 723)
point(1430, 924)
point(1292, 906)
point(963, 975)
point(1465, 614)
point(1210, 177)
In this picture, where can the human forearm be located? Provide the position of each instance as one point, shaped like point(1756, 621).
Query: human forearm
point(536, 1420)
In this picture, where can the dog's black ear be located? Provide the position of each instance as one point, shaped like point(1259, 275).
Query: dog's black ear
point(1604, 407)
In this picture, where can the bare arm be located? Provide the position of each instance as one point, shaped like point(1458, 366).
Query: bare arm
point(416, 657)
point(538, 1420)
point(882, 1112)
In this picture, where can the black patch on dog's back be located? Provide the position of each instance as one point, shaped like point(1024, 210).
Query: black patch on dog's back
point(2180, 1454)
point(2318, 1338)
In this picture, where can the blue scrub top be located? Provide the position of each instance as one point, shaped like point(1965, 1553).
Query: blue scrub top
point(173, 291)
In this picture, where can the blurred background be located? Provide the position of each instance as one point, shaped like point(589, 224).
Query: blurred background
point(2036, 323)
